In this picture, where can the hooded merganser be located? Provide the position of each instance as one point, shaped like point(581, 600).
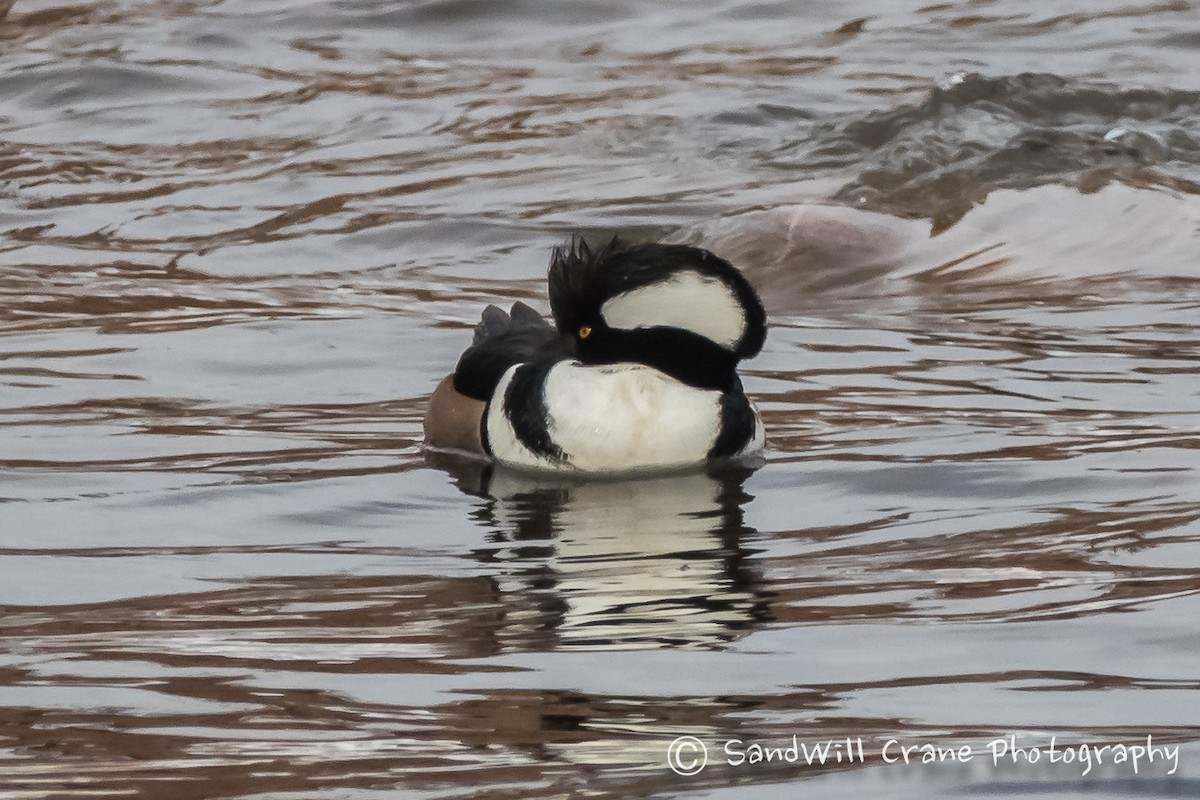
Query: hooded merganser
point(641, 372)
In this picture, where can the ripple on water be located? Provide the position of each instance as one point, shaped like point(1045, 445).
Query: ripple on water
point(240, 243)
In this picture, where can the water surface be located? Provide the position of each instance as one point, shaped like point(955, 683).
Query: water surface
point(241, 242)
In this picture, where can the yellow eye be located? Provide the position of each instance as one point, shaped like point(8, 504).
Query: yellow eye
point(585, 332)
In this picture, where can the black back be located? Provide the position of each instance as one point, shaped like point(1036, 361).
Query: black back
point(502, 340)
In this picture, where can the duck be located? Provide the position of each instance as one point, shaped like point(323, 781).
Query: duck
point(638, 371)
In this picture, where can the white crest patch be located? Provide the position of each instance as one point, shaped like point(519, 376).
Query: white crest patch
point(687, 300)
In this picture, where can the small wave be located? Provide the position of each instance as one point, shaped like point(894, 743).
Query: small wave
point(972, 135)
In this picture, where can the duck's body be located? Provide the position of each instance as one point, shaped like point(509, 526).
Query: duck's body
point(640, 373)
point(612, 418)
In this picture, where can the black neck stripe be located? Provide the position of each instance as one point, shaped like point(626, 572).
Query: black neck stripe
point(737, 424)
point(525, 408)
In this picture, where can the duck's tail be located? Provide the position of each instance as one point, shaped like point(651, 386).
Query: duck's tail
point(502, 340)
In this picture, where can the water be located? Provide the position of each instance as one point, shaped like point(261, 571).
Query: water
point(243, 241)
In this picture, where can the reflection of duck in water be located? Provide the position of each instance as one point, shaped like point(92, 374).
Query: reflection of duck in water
point(640, 374)
point(597, 564)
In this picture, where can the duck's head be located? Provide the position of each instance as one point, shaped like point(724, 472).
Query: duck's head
point(679, 309)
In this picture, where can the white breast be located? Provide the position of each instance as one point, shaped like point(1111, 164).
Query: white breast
point(615, 418)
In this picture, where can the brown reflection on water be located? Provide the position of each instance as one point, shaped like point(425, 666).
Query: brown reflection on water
point(240, 243)
point(199, 671)
point(292, 443)
point(1064, 567)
